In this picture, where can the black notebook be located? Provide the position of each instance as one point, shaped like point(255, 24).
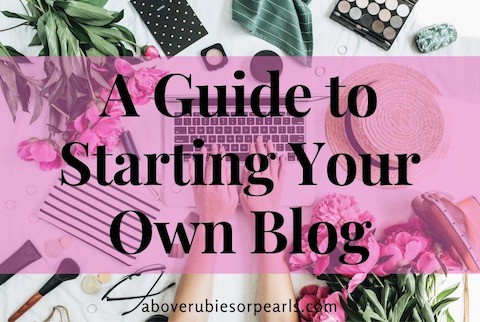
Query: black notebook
point(173, 23)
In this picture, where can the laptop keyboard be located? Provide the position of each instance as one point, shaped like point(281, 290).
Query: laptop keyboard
point(236, 133)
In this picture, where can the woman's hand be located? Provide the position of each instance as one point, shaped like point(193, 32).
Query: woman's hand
point(214, 203)
point(275, 172)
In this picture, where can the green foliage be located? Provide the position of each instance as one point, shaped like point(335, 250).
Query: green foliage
point(395, 298)
point(76, 28)
point(15, 86)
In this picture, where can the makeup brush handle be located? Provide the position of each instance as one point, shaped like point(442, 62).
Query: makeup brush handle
point(27, 306)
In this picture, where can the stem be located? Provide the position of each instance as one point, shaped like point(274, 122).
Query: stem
point(34, 4)
point(131, 43)
point(92, 92)
point(41, 5)
point(378, 280)
point(23, 5)
point(60, 111)
point(10, 28)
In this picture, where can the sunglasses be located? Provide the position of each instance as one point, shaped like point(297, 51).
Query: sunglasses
point(157, 318)
point(151, 268)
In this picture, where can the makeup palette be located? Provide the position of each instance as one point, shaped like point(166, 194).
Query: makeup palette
point(379, 21)
point(214, 57)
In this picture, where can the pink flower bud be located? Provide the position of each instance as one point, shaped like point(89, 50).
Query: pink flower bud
point(150, 52)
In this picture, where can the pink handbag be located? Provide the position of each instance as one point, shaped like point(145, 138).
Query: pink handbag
point(457, 225)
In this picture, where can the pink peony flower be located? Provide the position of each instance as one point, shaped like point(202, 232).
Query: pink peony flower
point(150, 52)
point(141, 84)
point(427, 263)
point(451, 263)
point(45, 152)
point(402, 252)
point(359, 272)
point(339, 209)
point(89, 128)
point(123, 67)
point(409, 246)
point(310, 260)
point(316, 304)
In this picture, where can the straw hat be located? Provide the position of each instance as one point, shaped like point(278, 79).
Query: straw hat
point(408, 119)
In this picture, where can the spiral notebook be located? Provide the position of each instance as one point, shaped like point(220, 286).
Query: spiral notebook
point(173, 23)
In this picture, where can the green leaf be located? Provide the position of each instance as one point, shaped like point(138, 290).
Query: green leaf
point(107, 33)
point(416, 317)
point(51, 3)
point(97, 3)
point(19, 58)
point(30, 19)
point(410, 283)
point(421, 288)
point(43, 52)
point(400, 307)
point(80, 33)
point(375, 303)
point(41, 29)
point(118, 16)
point(52, 37)
point(34, 10)
point(93, 52)
point(9, 88)
point(69, 44)
point(437, 308)
point(352, 315)
point(102, 45)
point(53, 129)
point(124, 52)
point(427, 312)
point(126, 33)
point(37, 109)
point(385, 295)
point(446, 292)
point(35, 41)
point(449, 316)
point(408, 309)
point(23, 92)
point(99, 78)
point(57, 91)
point(10, 98)
point(94, 15)
point(370, 314)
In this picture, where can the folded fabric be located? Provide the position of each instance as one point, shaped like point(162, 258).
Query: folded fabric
point(286, 24)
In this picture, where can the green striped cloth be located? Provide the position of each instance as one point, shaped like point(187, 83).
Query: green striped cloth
point(286, 24)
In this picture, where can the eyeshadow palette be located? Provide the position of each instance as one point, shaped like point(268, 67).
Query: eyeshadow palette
point(214, 57)
point(379, 21)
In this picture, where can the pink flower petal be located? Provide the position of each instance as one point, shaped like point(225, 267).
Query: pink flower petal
point(427, 263)
point(123, 67)
point(321, 265)
point(23, 150)
point(355, 281)
point(308, 290)
point(42, 151)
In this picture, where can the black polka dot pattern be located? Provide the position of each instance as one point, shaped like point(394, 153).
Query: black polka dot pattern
point(173, 23)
